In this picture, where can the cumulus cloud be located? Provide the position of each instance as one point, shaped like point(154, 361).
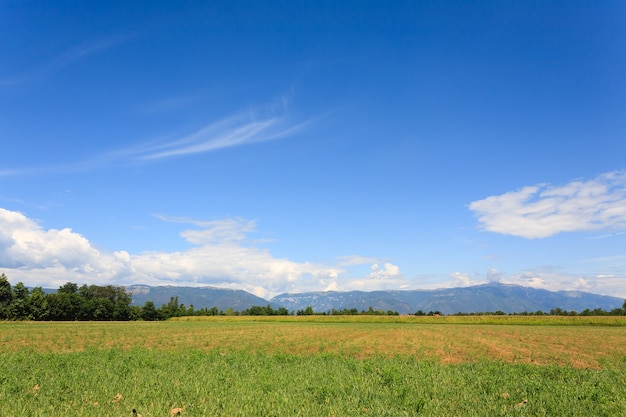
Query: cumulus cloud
point(388, 270)
point(220, 257)
point(381, 277)
point(23, 243)
point(544, 210)
point(493, 275)
point(548, 278)
point(460, 279)
point(555, 279)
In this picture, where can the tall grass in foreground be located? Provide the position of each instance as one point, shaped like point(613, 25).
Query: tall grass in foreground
point(239, 367)
point(214, 383)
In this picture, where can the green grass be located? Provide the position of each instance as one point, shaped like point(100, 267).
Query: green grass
point(244, 384)
point(236, 367)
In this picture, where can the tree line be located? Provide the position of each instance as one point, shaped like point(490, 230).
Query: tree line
point(87, 302)
point(70, 302)
point(104, 303)
point(553, 312)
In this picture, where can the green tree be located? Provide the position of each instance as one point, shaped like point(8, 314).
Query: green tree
point(135, 313)
point(149, 311)
point(38, 305)
point(6, 296)
point(97, 308)
point(18, 309)
point(172, 309)
point(64, 306)
point(101, 302)
point(68, 288)
point(558, 312)
point(306, 312)
point(122, 309)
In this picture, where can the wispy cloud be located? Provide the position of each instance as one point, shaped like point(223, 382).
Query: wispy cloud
point(608, 235)
point(233, 131)
point(222, 231)
point(614, 259)
point(544, 210)
point(65, 59)
point(85, 49)
point(353, 260)
point(260, 124)
point(10, 172)
point(241, 129)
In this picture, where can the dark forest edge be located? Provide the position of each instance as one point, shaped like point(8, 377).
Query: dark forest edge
point(113, 303)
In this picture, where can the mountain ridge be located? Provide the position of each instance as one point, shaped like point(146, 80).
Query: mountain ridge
point(490, 297)
point(199, 297)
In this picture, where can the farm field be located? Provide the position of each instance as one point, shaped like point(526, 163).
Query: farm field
point(317, 366)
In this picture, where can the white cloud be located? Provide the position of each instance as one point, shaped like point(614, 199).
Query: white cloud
point(544, 210)
point(241, 129)
point(254, 126)
point(493, 275)
point(226, 133)
point(353, 260)
point(385, 277)
point(461, 279)
point(387, 271)
point(51, 257)
point(554, 279)
point(23, 243)
point(222, 255)
point(214, 231)
point(548, 278)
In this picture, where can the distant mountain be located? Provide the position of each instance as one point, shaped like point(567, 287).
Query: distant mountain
point(481, 298)
point(199, 297)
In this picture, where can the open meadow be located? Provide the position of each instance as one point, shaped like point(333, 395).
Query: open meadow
point(316, 366)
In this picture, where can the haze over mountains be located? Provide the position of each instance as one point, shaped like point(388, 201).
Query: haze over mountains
point(481, 298)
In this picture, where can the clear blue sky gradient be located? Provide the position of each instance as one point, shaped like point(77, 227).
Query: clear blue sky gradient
point(290, 146)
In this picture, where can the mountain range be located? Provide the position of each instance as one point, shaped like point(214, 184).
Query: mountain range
point(490, 297)
point(199, 297)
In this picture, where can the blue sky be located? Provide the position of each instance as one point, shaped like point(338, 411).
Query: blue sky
point(291, 146)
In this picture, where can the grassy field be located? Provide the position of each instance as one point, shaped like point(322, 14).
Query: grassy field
point(315, 367)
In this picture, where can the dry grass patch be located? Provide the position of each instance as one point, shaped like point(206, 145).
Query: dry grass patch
point(578, 346)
